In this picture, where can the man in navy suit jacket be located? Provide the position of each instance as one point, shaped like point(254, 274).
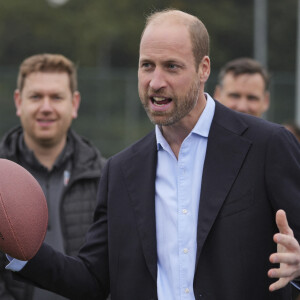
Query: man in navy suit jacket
point(198, 202)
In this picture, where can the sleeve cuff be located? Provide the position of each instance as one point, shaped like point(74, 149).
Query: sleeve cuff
point(15, 265)
point(296, 284)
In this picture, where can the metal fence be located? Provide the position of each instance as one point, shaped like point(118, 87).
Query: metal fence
point(111, 114)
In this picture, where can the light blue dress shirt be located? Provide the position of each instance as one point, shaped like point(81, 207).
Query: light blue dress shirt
point(177, 198)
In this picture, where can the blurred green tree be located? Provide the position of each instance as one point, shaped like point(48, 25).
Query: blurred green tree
point(106, 33)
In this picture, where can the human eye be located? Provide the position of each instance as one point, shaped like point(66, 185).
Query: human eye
point(253, 98)
point(234, 96)
point(56, 97)
point(145, 65)
point(35, 97)
point(172, 66)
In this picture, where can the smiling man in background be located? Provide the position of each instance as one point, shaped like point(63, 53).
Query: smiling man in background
point(66, 165)
point(243, 85)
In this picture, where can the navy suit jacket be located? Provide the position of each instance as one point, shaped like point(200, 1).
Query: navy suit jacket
point(252, 169)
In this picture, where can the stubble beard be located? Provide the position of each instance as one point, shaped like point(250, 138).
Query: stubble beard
point(181, 107)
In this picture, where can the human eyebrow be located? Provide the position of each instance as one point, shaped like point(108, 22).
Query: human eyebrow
point(234, 95)
point(252, 97)
point(173, 65)
point(145, 63)
point(57, 96)
point(34, 95)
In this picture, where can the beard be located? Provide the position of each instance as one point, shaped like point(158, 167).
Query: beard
point(182, 106)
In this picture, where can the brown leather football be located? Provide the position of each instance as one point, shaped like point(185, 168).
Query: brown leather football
point(23, 212)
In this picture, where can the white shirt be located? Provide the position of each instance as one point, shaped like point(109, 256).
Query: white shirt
point(177, 198)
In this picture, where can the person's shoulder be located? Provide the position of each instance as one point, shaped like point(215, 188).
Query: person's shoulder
point(244, 123)
point(80, 140)
point(12, 133)
point(85, 152)
point(9, 141)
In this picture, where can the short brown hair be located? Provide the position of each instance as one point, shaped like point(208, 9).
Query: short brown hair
point(47, 63)
point(244, 65)
point(198, 32)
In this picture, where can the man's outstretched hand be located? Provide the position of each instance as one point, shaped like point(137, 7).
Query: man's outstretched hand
point(288, 254)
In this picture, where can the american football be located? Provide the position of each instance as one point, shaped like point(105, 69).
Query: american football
point(23, 212)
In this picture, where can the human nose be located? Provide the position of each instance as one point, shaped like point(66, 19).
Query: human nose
point(46, 105)
point(157, 80)
point(242, 105)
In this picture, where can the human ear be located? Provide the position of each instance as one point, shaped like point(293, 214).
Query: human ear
point(75, 104)
point(204, 69)
point(18, 101)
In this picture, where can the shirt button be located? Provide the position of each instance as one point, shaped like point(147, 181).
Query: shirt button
point(184, 211)
point(185, 250)
point(186, 290)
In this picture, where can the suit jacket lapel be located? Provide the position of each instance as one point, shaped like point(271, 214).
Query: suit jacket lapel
point(139, 172)
point(226, 151)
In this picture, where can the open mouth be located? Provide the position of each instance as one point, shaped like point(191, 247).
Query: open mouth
point(160, 101)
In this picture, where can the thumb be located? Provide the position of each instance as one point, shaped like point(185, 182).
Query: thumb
point(282, 223)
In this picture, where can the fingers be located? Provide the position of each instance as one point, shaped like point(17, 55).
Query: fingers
point(288, 241)
point(284, 273)
point(282, 223)
point(289, 262)
point(291, 259)
point(278, 284)
point(287, 256)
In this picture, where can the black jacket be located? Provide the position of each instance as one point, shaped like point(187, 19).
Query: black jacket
point(78, 202)
point(251, 169)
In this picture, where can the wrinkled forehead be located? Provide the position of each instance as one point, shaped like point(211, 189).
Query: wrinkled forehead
point(245, 78)
point(165, 33)
point(166, 42)
point(46, 81)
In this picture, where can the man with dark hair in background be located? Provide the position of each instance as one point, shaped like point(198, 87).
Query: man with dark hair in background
point(67, 166)
point(243, 85)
